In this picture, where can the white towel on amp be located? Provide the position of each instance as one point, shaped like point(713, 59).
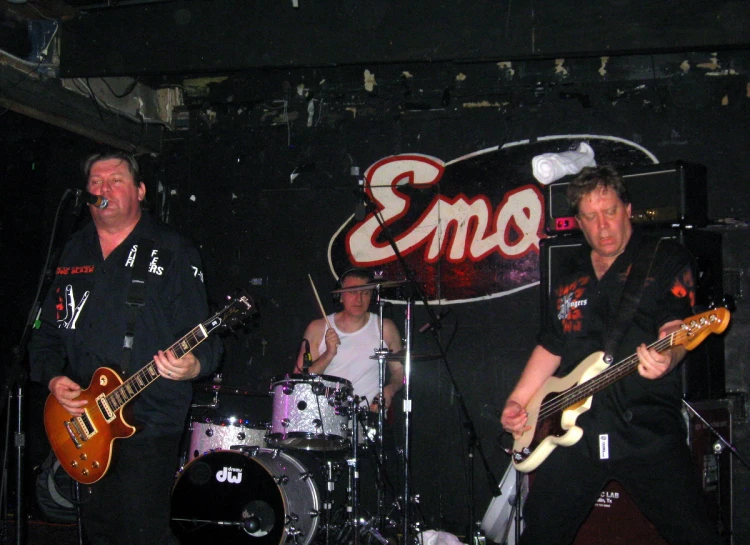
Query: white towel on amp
point(550, 167)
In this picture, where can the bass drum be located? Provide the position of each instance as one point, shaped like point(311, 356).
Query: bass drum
point(262, 496)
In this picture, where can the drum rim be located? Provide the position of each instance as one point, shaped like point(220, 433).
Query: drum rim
point(297, 377)
point(239, 422)
point(276, 438)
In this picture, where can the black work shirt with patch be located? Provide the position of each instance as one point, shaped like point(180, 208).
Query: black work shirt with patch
point(638, 415)
point(84, 318)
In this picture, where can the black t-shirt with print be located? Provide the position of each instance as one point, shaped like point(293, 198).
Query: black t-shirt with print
point(637, 415)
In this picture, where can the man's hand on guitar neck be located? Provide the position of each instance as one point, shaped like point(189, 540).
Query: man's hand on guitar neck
point(654, 365)
point(514, 418)
point(66, 391)
point(185, 368)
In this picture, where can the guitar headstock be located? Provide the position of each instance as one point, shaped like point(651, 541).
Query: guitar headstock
point(698, 327)
point(239, 307)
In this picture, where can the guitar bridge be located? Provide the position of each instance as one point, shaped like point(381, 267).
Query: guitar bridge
point(68, 425)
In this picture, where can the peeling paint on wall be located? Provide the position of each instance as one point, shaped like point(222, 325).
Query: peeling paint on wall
point(603, 67)
point(370, 82)
point(484, 104)
point(507, 66)
point(199, 87)
point(560, 69)
point(713, 65)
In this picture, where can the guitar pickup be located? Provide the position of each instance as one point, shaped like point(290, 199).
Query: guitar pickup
point(104, 408)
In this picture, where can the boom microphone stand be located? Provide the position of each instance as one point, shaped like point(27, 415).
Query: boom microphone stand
point(474, 443)
point(18, 375)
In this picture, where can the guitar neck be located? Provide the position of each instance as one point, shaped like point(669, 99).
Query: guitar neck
point(144, 377)
point(610, 375)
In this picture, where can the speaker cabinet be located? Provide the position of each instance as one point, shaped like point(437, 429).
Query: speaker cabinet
point(616, 519)
point(668, 194)
point(703, 373)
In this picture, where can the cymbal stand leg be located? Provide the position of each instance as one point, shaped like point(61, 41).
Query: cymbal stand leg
point(328, 501)
point(353, 507)
point(407, 425)
point(379, 449)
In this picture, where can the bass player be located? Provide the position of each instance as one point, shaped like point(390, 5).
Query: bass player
point(634, 431)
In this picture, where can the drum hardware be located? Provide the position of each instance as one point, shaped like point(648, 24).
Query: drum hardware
point(401, 356)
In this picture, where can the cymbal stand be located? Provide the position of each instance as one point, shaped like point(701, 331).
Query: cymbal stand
point(381, 352)
point(407, 423)
point(353, 507)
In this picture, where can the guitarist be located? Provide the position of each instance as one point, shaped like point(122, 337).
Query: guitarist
point(634, 431)
point(84, 322)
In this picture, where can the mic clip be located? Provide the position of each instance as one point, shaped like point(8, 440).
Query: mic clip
point(306, 358)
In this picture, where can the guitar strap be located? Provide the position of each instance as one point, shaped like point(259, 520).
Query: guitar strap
point(631, 295)
point(136, 299)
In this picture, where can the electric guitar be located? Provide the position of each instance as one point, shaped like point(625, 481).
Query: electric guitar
point(553, 410)
point(83, 444)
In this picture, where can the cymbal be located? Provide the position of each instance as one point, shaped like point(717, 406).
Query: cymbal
point(373, 285)
point(401, 356)
point(221, 389)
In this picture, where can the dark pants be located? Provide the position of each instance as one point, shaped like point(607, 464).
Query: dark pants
point(665, 488)
point(130, 505)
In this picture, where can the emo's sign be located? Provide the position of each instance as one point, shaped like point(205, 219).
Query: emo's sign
point(468, 229)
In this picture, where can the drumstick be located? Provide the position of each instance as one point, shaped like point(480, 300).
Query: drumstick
point(322, 310)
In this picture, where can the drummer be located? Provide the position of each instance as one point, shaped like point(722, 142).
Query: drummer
point(344, 350)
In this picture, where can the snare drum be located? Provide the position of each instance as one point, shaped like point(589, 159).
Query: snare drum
point(224, 433)
point(310, 412)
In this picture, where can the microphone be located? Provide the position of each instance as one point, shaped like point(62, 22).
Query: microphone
point(429, 326)
point(307, 358)
point(95, 200)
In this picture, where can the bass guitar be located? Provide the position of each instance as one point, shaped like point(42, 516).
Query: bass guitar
point(83, 444)
point(553, 410)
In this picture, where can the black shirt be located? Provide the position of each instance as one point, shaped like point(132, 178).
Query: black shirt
point(638, 415)
point(84, 318)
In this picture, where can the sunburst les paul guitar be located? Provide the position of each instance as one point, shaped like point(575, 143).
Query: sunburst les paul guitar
point(553, 410)
point(83, 444)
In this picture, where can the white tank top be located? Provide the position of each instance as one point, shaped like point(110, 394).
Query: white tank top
point(352, 360)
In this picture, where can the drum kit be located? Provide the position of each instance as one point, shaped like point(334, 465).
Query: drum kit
point(277, 482)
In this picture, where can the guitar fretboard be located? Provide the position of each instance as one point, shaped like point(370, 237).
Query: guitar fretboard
point(610, 375)
point(149, 373)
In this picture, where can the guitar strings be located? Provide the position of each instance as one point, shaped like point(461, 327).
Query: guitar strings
point(149, 373)
point(614, 372)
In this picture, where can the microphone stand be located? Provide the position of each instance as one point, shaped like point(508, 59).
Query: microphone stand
point(18, 375)
point(473, 439)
